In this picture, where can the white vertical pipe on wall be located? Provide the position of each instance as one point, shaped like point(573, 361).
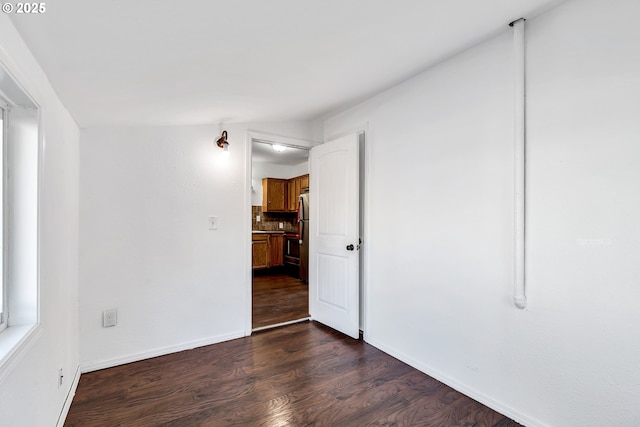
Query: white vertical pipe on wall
point(519, 298)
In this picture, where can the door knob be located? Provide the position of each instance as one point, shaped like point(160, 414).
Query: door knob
point(349, 247)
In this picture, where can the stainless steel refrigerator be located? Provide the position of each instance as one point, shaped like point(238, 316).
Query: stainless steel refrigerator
point(303, 232)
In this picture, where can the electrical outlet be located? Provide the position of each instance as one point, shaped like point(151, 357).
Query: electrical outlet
point(257, 218)
point(109, 318)
point(60, 377)
point(281, 224)
point(213, 223)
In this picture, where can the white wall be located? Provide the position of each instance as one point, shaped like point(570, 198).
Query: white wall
point(145, 248)
point(301, 169)
point(29, 393)
point(439, 287)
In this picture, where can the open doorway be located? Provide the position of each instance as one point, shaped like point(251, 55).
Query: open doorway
point(279, 176)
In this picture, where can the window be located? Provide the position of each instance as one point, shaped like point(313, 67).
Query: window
point(3, 290)
point(19, 174)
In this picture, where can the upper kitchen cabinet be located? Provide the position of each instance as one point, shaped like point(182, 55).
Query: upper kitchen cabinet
point(281, 195)
point(293, 193)
point(274, 195)
point(295, 186)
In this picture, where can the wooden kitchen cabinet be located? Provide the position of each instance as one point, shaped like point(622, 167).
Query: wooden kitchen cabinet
point(295, 186)
point(276, 250)
point(281, 195)
point(293, 193)
point(260, 251)
point(267, 250)
point(274, 195)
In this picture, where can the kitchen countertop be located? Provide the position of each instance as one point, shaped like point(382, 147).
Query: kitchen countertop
point(272, 232)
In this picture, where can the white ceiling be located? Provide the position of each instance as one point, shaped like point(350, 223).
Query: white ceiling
point(150, 62)
point(264, 153)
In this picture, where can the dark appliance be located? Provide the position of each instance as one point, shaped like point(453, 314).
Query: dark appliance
point(292, 254)
point(303, 231)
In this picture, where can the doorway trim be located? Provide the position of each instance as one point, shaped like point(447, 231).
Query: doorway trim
point(269, 138)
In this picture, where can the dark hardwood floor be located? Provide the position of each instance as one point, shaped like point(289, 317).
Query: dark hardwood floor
point(278, 299)
point(299, 375)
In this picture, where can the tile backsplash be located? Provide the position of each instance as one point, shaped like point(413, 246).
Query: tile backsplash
point(270, 221)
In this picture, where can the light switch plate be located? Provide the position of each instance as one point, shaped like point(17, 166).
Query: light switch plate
point(281, 225)
point(213, 223)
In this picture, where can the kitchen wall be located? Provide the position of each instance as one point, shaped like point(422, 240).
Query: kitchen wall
point(29, 390)
point(145, 248)
point(271, 221)
point(443, 303)
point(269, 170)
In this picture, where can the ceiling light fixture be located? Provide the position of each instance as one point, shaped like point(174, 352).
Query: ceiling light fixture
point(279, 148)
point(222, 141)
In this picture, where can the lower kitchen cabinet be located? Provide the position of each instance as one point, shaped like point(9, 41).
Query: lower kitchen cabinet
point(267, 250)
point(260, 251)
point(276, 250)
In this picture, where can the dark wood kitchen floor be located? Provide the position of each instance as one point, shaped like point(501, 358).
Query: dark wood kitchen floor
point(278, 299)
point(298, 375)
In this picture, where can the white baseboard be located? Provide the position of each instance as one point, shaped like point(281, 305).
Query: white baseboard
point(462, 388)
point(122, 360)
point(67, 402)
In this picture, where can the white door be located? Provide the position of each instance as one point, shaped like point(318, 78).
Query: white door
point(334, 235)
